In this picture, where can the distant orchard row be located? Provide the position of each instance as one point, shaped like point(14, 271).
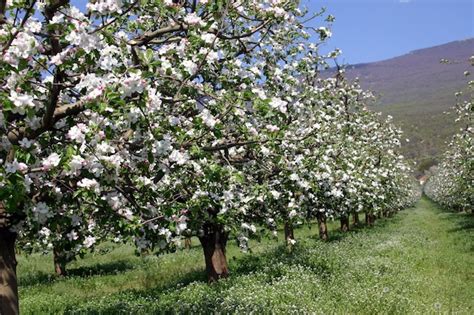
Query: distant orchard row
point(452, 184)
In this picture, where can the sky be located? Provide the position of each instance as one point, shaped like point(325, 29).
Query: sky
point(373, 30)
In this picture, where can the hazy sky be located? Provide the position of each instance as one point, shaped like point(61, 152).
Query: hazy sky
point(371, 30)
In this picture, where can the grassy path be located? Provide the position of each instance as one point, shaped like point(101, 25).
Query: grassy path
point(417, 262)
point(440, 250)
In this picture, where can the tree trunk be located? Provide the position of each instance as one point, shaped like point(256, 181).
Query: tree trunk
point(323, 228)
point(289, 232)
point(59, 263)
point(8, 278)
point(370, 219)
point(355, 218)
point(344, 223)
point(213, 244)
point(187, 243)
point(379, 215)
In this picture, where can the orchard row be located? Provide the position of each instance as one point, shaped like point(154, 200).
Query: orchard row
point(451, 185)
point(155, 121)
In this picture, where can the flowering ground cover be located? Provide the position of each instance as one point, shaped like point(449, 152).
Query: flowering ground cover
point(418, 261)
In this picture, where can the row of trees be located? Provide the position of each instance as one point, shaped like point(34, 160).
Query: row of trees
point(154, 121)
point(451, 185)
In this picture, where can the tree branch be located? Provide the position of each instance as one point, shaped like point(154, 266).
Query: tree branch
point(49, 13)
point(148, 36)
point(28, 12)
point(14, 136)
point(3, 7)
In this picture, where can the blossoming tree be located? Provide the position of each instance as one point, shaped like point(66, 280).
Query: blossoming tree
point(158, 120)
point(134, 117)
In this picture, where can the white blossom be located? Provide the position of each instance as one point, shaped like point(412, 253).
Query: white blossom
point(51, 161)
point(178, 157)
point(279, 104)
point(21, 102)
point(90, 184)
point(89, 241)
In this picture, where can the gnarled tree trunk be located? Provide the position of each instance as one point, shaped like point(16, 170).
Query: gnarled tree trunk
point(323, 228)
point(344, 223)
point(213, 244)
point(8, 278)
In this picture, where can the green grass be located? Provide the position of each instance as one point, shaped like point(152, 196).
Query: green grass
point(420, 261)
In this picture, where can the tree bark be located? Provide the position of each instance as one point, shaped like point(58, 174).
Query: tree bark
point(369, 219)
point(323, 228)
point(187, 243)
point(59, 263)
point(289, 234)
point(355, 218)
point(344, 223)
point(8, 278)
point(213, 244)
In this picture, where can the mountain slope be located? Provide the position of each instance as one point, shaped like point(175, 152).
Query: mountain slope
point(416, 89)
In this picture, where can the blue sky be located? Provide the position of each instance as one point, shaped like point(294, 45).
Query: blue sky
point(371, 30)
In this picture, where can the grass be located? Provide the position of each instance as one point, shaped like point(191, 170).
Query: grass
point(417, 262)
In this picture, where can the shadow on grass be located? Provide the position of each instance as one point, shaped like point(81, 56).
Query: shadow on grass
point(380, 223)
point(103, 269)
point(255, 262)
point(119, 303)
point(463, 222)
point(36, 278)
point(273, 258)
point(270, 262)
point(463, 230)
point(462, 225)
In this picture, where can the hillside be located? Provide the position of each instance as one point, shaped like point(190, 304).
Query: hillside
point(416, 89)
